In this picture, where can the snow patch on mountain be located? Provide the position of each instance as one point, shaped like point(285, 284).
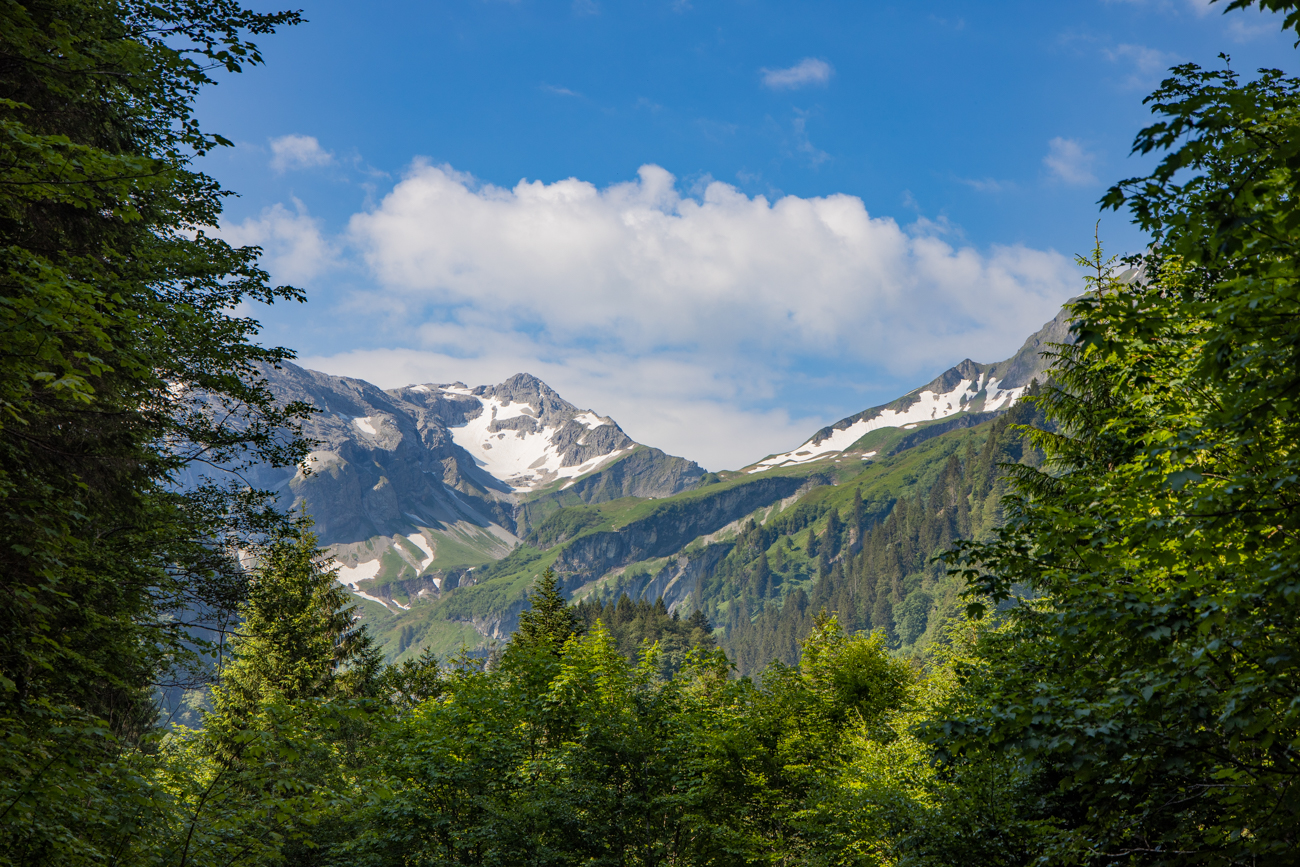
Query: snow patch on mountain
point(928, 405)
point(502, 411)
point(349, 576)
point(418, 540)
point(523, 456)
point(365, 424)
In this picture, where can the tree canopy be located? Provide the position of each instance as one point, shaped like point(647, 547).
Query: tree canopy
point(1152, 663)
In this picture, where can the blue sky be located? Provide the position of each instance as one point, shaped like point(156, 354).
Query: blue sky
point(725, 224)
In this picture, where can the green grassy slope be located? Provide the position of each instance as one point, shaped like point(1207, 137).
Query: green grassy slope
point(730, 522)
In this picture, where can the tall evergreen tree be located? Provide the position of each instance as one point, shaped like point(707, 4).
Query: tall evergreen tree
point(297, 638)
point(548, 622)
point(1151, 672)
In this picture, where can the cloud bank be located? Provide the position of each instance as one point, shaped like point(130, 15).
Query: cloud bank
point(294, 250)
point(692, 320)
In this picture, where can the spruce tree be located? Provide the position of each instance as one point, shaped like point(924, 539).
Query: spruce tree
point(548, 622)
point(297, 639)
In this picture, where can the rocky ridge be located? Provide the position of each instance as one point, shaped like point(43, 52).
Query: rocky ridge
point(968, 387)
point(412, 487)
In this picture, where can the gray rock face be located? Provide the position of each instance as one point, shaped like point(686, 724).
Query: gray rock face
point(388, 462)
point(378, 466)
point(646, 472)
point(1029, 362)
point(667, 530)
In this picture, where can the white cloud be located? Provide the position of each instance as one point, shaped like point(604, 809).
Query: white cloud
point(808, 71)
point(294, 250)
point(679, 315)
point(1069, 162)
point(1240, 31)
point(986, 185)
point(298, 152)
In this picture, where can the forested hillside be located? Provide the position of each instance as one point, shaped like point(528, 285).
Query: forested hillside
point(866, 552)
point(1067, 635)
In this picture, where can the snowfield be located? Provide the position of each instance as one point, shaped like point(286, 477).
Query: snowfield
point(928, 407)
point(522, 459)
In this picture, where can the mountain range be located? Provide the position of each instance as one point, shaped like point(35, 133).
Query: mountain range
point(441, 503)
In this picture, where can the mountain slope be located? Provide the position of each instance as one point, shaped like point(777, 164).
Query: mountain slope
point(411, 487)
point(443, 503)
point(968, 387)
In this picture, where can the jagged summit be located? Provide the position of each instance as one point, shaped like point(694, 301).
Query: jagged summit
point(412, 487)
point(967, 387)
point(521, 432)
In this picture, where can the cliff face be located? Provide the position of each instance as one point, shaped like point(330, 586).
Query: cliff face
point(669, 529)
point(647, 472)
point(380, 466)
point(410, 487)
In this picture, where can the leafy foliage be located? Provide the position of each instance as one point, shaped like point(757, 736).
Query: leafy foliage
point(637, 626)
point(121, 371)
point(1154, 677)
point(865, 551)
point(548, 622)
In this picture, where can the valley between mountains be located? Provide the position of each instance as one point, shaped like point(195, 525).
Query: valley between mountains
point(443, 503)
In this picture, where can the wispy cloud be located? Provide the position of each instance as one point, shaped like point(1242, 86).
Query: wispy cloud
point(1240, 31)
point(803, 144)
point(298, 152)
point(1148, 64)
point(950, 23)
point(809, 71)
point(295, 249)
point(1069, 162)
point(986, 185)
point(559, 91)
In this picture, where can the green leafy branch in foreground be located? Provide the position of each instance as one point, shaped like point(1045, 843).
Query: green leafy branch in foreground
point(1154, 678)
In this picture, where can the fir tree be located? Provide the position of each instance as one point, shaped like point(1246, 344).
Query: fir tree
point(548, 622)
point(297, 639)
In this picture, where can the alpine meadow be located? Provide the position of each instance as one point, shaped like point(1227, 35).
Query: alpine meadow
point(1040, 611)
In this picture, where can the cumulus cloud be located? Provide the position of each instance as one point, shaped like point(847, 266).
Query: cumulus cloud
point(808, 71)
point(640, 264)
point(676, 308)
point(1069, 162)
point(298, 152)
point(294, 248)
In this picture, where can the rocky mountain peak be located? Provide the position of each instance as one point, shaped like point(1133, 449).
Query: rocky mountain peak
point(967, 388)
